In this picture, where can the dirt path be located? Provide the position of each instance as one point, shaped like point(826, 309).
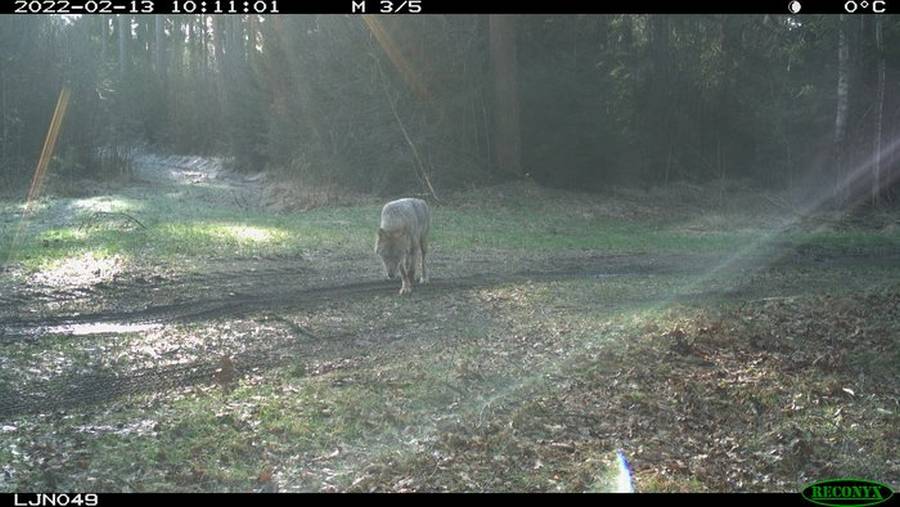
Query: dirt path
point(241, 287)
point(270, 291)
point(79, 390)
point(278, 285)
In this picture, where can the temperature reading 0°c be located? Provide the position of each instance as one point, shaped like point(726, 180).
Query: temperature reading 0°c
point(876, 6)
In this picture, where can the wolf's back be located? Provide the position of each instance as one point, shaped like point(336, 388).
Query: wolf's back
point(410, 214)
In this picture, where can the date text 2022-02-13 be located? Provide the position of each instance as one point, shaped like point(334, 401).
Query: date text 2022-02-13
point(145, 7)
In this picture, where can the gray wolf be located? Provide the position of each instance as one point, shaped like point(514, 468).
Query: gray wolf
point(403, 240)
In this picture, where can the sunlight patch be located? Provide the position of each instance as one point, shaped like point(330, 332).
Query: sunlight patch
point(87, 268)
point(145, 427)
point(246, 234)
point(103, 203)
point(101, 328)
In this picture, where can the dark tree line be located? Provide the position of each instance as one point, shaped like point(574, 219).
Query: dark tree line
point(430, 103)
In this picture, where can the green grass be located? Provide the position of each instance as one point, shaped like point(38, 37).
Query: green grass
point(178, 228)
point(176, 231)
point(520, 230)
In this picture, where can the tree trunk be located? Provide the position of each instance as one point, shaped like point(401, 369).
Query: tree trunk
point(205, 34)
point(219, 43)
point(507, 139)
point(147, 45)
point(252, 34)
point(104, 34)
point(198, 60)
point(235, 37)
point(218, 30)
point(123, 30)
point(879, 114)
point(658, 116)
point(158, 43)
point(840, 117)
point(179, 45)
point(724, 92)
point(627, 34)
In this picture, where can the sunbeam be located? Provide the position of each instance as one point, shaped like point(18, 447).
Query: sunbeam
point(395, 54)
point(40, 171)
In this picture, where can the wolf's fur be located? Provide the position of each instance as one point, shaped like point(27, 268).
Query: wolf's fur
point(402, 240)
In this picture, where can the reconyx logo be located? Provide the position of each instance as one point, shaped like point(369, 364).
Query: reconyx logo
point(847, 492)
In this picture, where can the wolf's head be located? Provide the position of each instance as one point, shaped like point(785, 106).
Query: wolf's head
point(392, 248)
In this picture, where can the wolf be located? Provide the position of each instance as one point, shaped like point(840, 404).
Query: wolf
point(403, 240)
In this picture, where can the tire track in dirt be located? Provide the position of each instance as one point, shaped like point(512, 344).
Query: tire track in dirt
point(91, 389)
point(280, 298)
point(281, 286)
point(16, 301)
point(96, 389)
point(83, 390)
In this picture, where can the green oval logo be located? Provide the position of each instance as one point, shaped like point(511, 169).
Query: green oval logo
point(847, 492)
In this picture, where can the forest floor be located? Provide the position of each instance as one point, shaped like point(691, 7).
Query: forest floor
point(174, 333)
